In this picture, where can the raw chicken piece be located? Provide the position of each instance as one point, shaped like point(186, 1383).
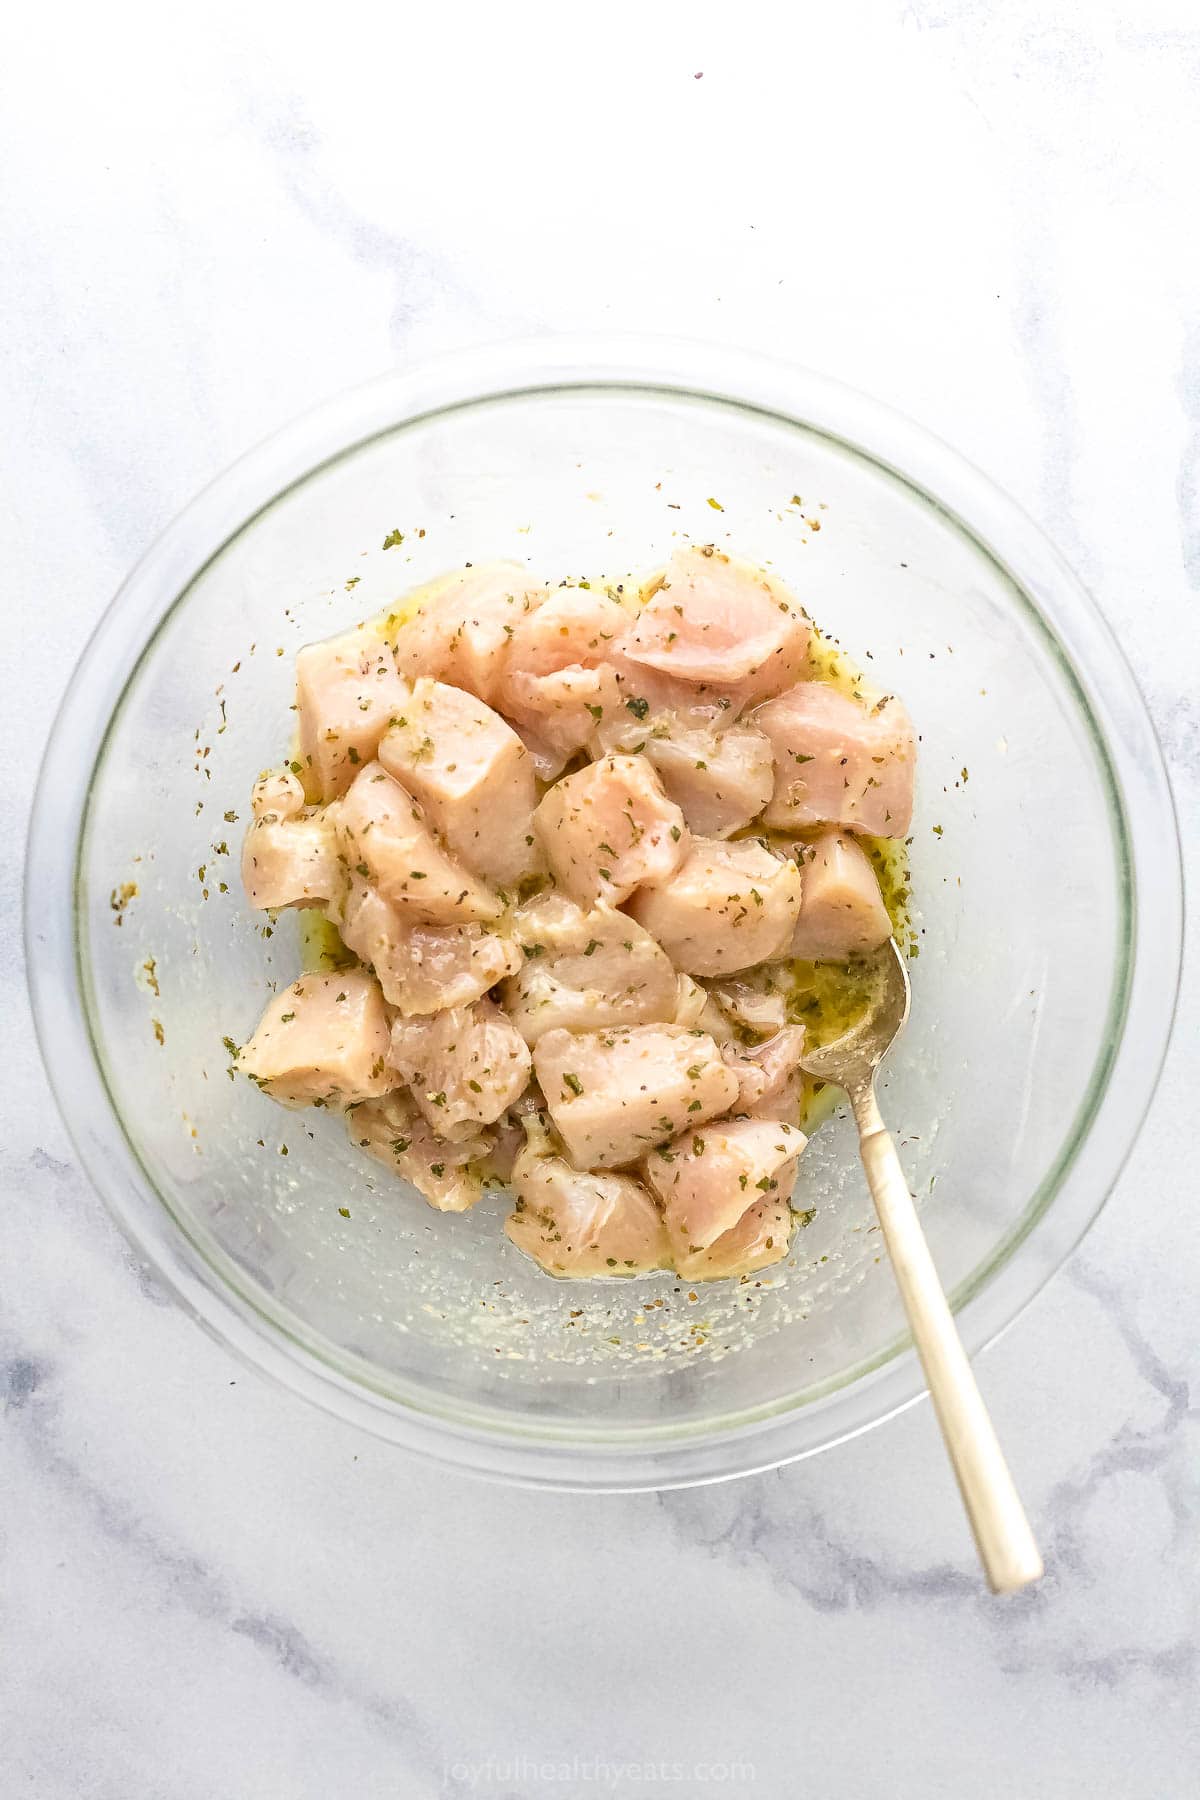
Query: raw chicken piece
point(463, 1066)
point(723, 625)
point(761, 1237)
point(720, 781)
point(691, 1001)
point(325, 1039)
point(610, 827)
point(574, 628)
point(548, 761)
point(473, 776)
point(614, 1094)
point(583, 971)
point(714, 1021)
point(384, 837)
point(278, 794)
point(650, 704)
point(346, 691)
point(755, 1002)
point(421, 968)
point(509, 1139)
point(574, 1223)
point(770, 1080)
point(556, 682)
point(461, 632)
point(707, 1181)
point(291, 861)
point(561, 708)
point(840, 761)
point(449, 1176)
point(841, 908)
point(726, 908)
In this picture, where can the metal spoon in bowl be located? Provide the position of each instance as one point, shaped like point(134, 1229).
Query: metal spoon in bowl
point(1002, 1536)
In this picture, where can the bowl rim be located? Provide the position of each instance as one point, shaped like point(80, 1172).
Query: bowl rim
point(1141, 1014)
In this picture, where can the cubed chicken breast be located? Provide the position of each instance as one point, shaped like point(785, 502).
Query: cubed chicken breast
point(324, 1039)
point(450, 1176)
point(770, 1079)
point(471, 774)
point(561, 709)
point(421, 968)
point(706, 1180)
point(614, 1094)
point(547, 759)
point(292, 861)
point(574, 1222)
point(719, 780)
point(463, 1067)
point(650, 704)
point(691, 1001)
point(346, 691)
point(277, 794)
point(509, 1138)
point(556, 682)
point(585, 970)
point(461, 632)
point(574, 628)
point(610, 827)
point(756, 1002)
point(723, 625)
point(761, 1237)
point(839, 761)
point(727, 907)
point(385, 838)
point(842, 913)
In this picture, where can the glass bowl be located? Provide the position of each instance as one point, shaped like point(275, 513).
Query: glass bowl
point(1044, 863)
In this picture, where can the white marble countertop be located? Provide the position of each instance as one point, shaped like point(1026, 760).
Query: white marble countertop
point(985, 215)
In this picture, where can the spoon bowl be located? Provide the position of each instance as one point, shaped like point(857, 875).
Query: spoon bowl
point(852, 1059)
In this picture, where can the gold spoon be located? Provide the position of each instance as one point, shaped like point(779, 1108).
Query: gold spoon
point(1002, 1536)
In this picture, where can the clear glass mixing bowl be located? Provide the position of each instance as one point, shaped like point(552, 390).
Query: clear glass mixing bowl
point(1044, 860)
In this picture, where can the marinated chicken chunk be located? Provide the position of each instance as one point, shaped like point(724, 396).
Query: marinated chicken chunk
point(472, 775)
point(609, 828)
point(691, 1001)
point(290, 861)
point(582, 1222)
point(557, 681)
point(574, 627)
point(649, 705)
point(614, 1094)
point(720, 781)
point(276, 796)
point(384, 837)
point(727, 907)
point(346, 691)
point(585, 970)
point(463, 1066)
point(842, 913)
point(756, 1002)
point(770, 1080)
point(708, 1180)
point(723, 625)
point(323, 1039)
point(761, 1237)
point(461, 630)
point(421, 968)
point(839, 761)
point(450, 1176)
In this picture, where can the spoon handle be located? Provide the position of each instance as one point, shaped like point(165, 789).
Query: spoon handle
point(1005, 1543)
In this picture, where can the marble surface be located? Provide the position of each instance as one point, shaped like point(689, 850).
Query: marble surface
point(986, 216)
